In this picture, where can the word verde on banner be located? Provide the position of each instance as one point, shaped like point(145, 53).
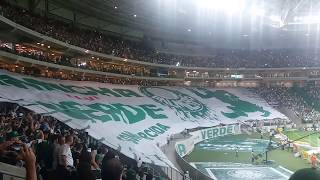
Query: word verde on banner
point(187, 107)
point(128, 114)
point(185, 147)
point(216, 132)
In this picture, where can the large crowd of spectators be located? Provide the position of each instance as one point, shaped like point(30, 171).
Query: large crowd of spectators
point(51, 150)
point(38, 72)
point(90, 64)
point(309, 95)
point(294, 100)
point(117, 46)
point(224, 58)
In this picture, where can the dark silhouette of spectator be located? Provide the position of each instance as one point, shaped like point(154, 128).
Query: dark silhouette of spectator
point(111, 169)
point(84, 166)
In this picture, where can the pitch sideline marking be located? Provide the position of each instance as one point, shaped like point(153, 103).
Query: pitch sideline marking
point(242, 168)
point(193, 165)
point(283, 175)
point(286, 169)
point(210, 173)
point(231, 164)
point(271, 168)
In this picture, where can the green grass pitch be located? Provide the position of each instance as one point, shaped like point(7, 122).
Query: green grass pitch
point(313, 140)
point(284, 158)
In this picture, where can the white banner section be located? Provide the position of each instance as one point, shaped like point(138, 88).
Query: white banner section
point(133, 119)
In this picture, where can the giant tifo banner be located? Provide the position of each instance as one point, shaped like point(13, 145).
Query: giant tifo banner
point(133, 119)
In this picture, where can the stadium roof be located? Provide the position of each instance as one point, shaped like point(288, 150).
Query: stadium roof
point(240, 23)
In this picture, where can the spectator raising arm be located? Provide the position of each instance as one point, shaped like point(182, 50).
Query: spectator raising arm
point(30, 159)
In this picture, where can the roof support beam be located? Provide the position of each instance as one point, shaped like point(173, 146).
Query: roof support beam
point(105, 24)
point(290, 8)
point(81, 18)
point(53, 9)
point(32, 4)
point(46, 7)
point(13, 30)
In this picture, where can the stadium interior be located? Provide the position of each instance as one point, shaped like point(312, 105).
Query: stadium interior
point(159, 89)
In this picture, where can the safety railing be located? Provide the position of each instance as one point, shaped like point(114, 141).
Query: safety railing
point(10, 172)
point(172, 173)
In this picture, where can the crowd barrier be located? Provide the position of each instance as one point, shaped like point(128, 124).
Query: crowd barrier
point(172, 173)
point(194, 173)
point(9, 172)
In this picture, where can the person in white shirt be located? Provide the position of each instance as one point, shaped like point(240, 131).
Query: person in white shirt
point(186, 176)
point(139, 163)
point(66, 159)
point(94, 165)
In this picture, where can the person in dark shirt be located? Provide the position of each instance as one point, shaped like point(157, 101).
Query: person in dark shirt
point(84, 166)
point(44, 152)
point(111, 169)
point(131, 173)
point(76, 152)
point(149, 175)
